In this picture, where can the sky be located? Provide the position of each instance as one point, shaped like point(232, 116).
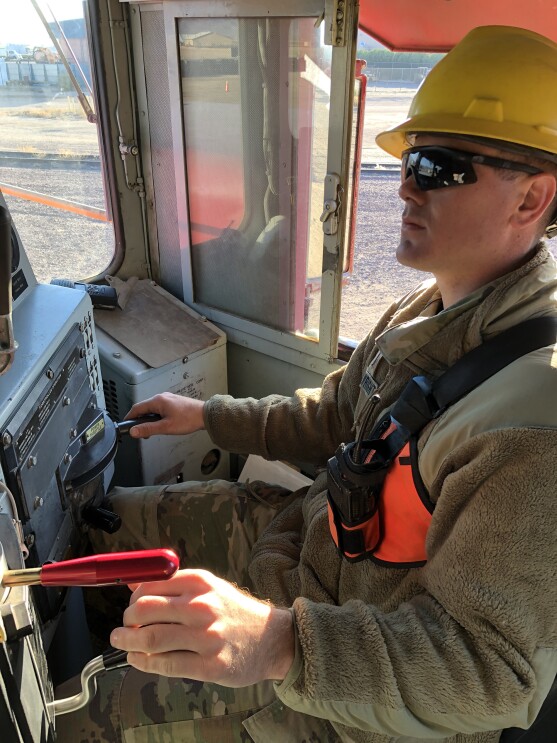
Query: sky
point(20, 24)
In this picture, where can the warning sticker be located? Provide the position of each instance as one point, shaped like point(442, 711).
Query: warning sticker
point(192, 387)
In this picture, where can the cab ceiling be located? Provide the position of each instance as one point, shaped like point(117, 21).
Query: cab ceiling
point(437, 25)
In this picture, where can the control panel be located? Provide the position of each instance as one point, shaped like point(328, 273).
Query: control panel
point(47, 385)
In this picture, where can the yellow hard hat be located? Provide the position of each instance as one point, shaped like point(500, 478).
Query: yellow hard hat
point(499, 82)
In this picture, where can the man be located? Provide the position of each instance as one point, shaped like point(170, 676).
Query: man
point(453, 635)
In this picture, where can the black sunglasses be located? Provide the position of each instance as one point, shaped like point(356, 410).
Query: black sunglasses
point(439, 167)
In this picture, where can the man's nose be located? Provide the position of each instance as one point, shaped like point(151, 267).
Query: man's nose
point(408, 188)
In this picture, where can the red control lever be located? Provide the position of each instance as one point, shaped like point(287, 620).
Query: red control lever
point(99, 570)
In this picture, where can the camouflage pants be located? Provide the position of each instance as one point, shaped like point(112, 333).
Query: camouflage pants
point(214, 526)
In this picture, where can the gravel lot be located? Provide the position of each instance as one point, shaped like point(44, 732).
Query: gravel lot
point(377, 279)
point(68, 246)
point(58, 243)
point(57, 248)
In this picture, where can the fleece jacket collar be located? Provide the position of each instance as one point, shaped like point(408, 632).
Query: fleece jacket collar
point(491, 308)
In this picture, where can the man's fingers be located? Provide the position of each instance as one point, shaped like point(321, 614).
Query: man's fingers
point(141, 408)
point(179, 415)
point(154, 638)
point(150, 610)
point(178, 664)
point(187, 583)
point(152, 428)
point(155, 609)
point(144, 430)
point(199, 626)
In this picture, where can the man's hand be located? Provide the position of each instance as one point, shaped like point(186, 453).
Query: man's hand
point(198, 626)
point(179, 415)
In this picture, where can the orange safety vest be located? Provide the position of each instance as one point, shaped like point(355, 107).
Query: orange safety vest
point(393, 533)
point(378, 505)
point(404, 514)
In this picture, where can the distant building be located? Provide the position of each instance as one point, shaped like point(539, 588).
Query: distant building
point(208, 53)
point(76, 34)
point(207, 39)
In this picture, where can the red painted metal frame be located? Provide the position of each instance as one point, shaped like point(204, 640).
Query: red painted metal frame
point(437, 25)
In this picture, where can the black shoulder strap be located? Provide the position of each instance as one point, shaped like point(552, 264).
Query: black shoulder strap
point(422, 400)
point(492, 356)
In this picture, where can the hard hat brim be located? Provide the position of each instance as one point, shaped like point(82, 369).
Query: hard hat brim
point(395, 140)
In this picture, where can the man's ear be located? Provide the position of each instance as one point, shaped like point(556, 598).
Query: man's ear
point(538, 194)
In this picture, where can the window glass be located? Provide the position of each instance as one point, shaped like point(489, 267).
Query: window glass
point(376, 279)
point(255, 96)
point(50, 163)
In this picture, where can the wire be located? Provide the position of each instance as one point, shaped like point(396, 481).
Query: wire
point(139, 185)
point(16, 522)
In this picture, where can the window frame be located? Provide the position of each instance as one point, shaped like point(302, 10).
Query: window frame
point(314, 355)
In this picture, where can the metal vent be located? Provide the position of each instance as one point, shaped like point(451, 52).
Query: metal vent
point(111, 399)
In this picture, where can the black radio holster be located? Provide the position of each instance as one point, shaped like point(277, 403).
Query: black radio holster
point(355, 487)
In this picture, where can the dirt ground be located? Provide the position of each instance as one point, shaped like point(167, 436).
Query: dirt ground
point(31, 124)
point(57, 126)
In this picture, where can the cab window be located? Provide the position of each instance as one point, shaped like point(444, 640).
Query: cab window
point(51, 169)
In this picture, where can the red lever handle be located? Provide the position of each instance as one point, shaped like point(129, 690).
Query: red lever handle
point(100, 570)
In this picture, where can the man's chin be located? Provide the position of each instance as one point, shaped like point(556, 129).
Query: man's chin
point(408, 254)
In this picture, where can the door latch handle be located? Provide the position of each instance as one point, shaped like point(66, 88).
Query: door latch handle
point(329, 208)
point(331, 204)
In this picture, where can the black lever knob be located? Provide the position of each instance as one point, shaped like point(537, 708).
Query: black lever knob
point(124, 426)
point(101, 518)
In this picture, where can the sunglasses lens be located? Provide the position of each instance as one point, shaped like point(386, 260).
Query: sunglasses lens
point(437, 167)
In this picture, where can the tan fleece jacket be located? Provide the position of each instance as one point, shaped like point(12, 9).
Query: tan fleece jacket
point(466, 645)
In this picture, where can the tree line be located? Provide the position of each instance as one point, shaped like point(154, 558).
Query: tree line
point(384, 57)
